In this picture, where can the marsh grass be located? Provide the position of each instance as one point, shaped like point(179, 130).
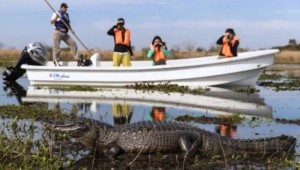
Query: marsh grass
point(12, 55)
point(288, 57)
point(106, 55)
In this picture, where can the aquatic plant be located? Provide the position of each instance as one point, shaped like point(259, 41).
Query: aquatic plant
point(21, 149)
point(270, 77)
point(247, 90)
point(234, 119)
point(34, 111)
point(168, 88)
point(287, 85)
point(73, 88)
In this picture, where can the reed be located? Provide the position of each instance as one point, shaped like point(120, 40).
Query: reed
point(9, 55)
point(288, 57)
point(12, 55)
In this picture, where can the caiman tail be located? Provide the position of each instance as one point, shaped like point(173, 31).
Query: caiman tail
point(280, 146)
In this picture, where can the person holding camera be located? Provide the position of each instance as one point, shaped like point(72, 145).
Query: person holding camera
point(122, 50)
point(158, 51)
point(229, 42)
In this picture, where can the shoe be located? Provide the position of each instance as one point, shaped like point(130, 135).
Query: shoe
point(80, 60)
point(79, 63)
point(56, 63)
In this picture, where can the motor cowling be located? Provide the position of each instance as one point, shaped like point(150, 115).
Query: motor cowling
point(33, 54)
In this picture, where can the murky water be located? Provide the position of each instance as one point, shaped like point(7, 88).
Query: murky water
point(115, 107)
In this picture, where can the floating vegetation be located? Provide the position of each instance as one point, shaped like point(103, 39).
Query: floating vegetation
point(285, 121)
point(288, 85)
point(248, 90)
point(31, 112)
point(270, 77)
point(168, 88)
point(73, 88)
point(234, 119)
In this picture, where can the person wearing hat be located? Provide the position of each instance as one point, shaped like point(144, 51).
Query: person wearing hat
point(60, 33)
point(122, 50)
point(229, 42)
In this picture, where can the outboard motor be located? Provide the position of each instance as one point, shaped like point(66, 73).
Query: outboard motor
point(33, 54)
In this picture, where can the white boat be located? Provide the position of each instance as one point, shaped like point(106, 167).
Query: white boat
point(218, 101)
point(193, 72)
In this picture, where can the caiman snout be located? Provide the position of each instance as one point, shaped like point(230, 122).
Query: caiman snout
point(75, 128)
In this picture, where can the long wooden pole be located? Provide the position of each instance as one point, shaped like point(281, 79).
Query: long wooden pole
point(68, 27)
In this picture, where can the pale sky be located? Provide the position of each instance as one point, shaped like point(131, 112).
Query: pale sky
point(258, 23)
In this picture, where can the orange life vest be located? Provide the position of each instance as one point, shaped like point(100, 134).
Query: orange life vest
point(159, 54)
point(119, 38)
point(227, 130)
point(226, 51)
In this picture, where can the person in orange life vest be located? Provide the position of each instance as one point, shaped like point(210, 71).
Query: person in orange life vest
point(122, 50)
point(157, 114)
point(158, 51)
point(229, 42)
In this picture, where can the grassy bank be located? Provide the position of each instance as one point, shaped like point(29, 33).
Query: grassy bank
point(9, 57)
point(288, 57)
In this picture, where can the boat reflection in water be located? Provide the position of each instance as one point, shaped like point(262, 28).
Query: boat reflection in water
point(119, 106)
point(14, 89)
point(136, 104)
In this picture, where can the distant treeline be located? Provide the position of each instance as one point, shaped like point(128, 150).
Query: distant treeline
point(292, 46)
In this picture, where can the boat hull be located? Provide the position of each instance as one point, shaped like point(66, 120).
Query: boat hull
point(204, 71)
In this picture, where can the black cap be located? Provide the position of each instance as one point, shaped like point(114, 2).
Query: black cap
point(230, 30)
point(64, 5)
point(121, 19)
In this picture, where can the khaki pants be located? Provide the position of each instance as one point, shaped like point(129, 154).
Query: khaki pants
point(57, 38)
point(121, 58)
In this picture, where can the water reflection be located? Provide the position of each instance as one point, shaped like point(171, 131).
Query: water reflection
point(121, 106)
point(14, 89)
point(219, 101)
point(158, 113)
point(121, 112)
point(227, 130)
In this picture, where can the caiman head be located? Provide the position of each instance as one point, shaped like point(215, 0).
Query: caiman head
point(75, 128)
point(84, 130)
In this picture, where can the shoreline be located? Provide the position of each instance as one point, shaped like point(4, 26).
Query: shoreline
point(8, 56)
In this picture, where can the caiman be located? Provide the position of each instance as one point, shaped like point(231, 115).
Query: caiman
point(169, 137)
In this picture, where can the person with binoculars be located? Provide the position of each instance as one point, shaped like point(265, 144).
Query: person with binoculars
point(229, 42)
point(158, 51)
point(122, 50)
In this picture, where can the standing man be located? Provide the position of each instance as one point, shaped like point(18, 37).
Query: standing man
point(122, 49)
point(60, 33)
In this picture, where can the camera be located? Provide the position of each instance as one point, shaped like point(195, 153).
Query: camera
point(158, 45)
point(120, 25)
point(229, 37)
